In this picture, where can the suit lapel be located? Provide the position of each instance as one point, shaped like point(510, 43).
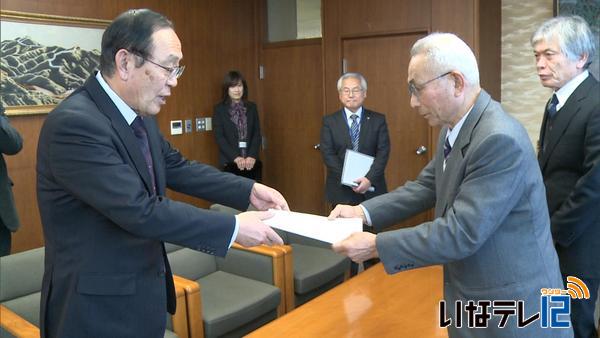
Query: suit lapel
point(542, 132)
point(449, 177)
point(365, 128)
point(563, 118)
point(123, 130)
point(342, 123)
point(155, 149)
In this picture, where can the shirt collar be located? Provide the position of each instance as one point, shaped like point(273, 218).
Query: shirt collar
point(452, 134)
point(123, 108)
point(565, 91)
point(348, 113)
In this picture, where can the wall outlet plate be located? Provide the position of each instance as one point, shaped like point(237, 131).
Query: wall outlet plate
point(188, 126)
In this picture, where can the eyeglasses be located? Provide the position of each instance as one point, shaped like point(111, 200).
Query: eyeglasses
point(353, 91)
point(414, 89)
point(174, 72)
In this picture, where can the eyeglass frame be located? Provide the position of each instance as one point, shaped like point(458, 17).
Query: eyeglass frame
point(414, 89)
point(174, 72)
point(354, 91)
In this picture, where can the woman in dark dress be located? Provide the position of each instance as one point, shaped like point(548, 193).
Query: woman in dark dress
point(237, 129)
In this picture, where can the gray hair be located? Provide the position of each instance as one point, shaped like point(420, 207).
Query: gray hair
point(446, 52)
point(573, 35)
point(358, 76)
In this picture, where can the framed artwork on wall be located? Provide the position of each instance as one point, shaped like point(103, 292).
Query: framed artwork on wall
point(590, 11)
point(44, 58)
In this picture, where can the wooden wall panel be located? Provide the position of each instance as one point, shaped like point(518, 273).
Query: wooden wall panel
point(216, 36)
point(361, 17)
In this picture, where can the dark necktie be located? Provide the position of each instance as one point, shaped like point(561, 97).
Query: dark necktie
point(447, 148)
point(551, 107)
point(550, 114)
point(139, 129)
point(354, 131)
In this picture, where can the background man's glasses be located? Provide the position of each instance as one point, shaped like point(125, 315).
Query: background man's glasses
point(414, 89)
point(353, 91)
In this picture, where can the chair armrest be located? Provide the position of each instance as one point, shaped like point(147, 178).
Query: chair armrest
point(288, 263)
point(17, 325)
point(281, 275)
point(180, 319)
point(193, 306)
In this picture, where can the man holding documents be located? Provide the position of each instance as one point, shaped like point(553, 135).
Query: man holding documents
point(363, 135)
point(358, 129)
point(491, 229)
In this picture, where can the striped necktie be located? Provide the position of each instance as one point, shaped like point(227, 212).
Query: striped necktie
point(447, 148)
point(354, 131)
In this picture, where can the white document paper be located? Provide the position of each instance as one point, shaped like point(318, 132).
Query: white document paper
point(313, 226)
point(356, 165)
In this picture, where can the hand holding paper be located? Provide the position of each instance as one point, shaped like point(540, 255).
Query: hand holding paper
point(363, 185)
point(359, 247)
point(356, 166)
point(253, 231)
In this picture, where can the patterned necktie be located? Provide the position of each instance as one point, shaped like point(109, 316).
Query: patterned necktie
point(354, 131)
point(551, 108)
point(447, 148)
point(139, 129)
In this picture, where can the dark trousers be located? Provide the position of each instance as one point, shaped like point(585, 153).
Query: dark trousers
point(5, 237)
point(582, 310)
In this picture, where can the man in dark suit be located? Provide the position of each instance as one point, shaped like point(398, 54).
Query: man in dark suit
point(491, 226)
point(336, 136)
point(357, 128)
point(102, 172)
point(10, 144)
point(569, 154)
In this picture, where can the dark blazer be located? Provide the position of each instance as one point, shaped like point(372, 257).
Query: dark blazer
point(10, 144)
point(106, 273)
point(226, 133)
point(570, 165)
point(374, 140)
point(491, 228)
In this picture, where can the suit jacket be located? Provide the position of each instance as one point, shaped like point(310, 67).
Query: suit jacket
point(226, 133)
point(106, 273)
point(491, 229)
point(10, 144)
point(374, 140)
point(570, 165)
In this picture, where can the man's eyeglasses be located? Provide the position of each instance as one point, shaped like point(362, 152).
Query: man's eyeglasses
point(174, 72)
point(353, 91)
point(414, 89)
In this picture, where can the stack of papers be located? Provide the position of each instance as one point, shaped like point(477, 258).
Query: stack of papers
point(356, 165)
point(313, 226)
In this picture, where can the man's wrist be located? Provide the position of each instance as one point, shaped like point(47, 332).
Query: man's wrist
point(361, 213)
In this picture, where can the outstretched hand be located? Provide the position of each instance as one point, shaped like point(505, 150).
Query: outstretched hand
point(359, 247)
point(347, 211)
point(252, 231)
point(263, 198)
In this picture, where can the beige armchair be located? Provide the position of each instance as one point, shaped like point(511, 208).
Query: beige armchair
point(229, 296)
point(20, 289)
point(314, 268)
